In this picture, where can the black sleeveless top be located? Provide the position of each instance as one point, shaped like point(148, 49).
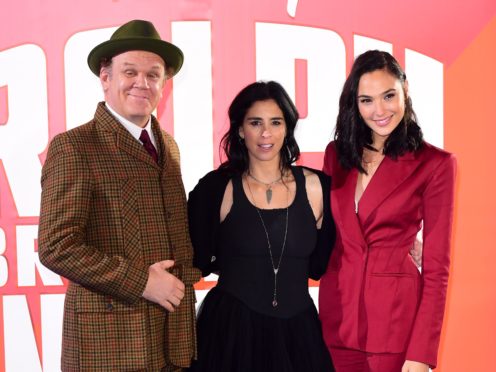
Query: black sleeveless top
point(243, 256)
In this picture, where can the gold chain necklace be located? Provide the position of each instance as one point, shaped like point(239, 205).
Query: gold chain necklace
point(268, 192)
point(275, 268)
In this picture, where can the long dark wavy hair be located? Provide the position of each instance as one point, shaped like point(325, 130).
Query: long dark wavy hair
point(352, 134)
point(234, 146)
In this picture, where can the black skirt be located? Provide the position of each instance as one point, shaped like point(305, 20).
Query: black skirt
point(234, 338)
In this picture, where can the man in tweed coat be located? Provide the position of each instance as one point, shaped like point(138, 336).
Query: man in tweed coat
point(113, 219)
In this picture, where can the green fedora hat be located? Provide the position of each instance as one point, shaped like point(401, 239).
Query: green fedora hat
point(136, 35)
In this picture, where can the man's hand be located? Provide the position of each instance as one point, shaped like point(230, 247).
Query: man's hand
point(411, 366)
point(162, 287)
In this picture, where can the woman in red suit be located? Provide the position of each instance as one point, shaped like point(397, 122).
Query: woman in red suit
point(378, 311)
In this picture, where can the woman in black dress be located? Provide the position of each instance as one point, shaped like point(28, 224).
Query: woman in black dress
point(265, 227)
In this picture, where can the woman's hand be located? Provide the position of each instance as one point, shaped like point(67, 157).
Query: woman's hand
point(416, 252)
point(411, 366)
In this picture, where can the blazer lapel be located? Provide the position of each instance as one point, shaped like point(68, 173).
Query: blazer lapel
point(343, 197)
point(390, 174)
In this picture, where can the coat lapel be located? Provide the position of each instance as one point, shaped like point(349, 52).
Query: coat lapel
point(163, 158)
point(128, 144)
point(390, 174)
point(124, 140)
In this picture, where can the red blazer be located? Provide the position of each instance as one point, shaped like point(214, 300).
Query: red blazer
point(372, 296)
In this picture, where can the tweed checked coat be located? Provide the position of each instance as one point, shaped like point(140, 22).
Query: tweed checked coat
point(108, 212)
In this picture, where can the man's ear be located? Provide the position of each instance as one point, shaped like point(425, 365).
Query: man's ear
point(105, 78)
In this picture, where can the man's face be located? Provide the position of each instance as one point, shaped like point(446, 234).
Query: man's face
point(133, 84)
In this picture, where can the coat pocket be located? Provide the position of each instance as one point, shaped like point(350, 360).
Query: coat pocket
point(112, 341)
point(390, 305)
point(111, 334)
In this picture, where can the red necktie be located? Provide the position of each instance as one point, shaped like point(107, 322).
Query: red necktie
point(147, 143)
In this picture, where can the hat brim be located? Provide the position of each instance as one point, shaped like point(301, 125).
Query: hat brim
point(172, 55)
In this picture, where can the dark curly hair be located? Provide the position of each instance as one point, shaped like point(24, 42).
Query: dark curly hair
point(234, 146)
point(352, 134)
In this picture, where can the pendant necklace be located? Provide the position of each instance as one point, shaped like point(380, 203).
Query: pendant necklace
point(275, 268)
point(268, 191)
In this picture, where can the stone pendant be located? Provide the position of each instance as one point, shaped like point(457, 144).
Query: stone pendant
point(268, 195)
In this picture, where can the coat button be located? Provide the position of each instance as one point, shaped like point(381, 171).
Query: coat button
point(110, 307)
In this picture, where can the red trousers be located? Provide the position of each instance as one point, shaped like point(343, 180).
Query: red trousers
point(348, 360)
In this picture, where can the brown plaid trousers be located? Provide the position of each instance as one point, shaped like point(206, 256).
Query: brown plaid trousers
point(108, 211)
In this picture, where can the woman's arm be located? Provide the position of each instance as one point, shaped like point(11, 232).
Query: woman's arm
point(204, 205)
point(327, 232)
point(437, 206)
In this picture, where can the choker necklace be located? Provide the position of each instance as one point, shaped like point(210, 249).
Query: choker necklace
point(275, 268)
point(268, 192)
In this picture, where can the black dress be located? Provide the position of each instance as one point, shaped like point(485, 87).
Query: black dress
point(239, 329)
